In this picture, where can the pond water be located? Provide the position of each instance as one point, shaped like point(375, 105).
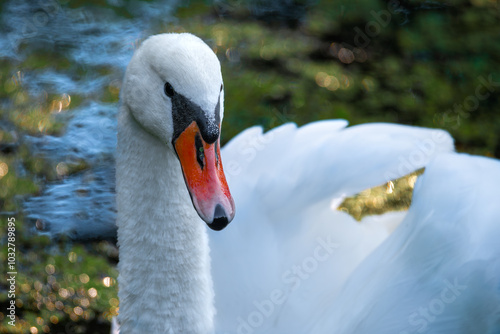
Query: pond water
point(98, 43)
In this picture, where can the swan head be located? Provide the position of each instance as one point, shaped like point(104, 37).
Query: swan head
point(173, 88)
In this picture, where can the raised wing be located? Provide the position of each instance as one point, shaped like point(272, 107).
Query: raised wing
point(287, 248)
point(439, 271)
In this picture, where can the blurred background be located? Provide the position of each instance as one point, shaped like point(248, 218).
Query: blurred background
point(425, 63)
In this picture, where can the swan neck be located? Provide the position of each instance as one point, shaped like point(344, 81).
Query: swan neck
point(164, 281)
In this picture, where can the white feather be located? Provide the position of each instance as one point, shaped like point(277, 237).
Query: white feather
point(438, 272)
point(283, 186)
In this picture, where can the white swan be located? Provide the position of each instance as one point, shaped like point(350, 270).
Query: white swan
point(289, 263)
point(171, 109)
point(172, 106)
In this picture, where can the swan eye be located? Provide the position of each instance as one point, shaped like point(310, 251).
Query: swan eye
point(169, 90)
point(221, 86)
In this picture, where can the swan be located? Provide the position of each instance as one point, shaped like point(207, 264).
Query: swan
point(287, 261)
point(170, 113)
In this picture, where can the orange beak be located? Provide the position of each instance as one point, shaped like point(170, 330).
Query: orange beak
point(202, 168)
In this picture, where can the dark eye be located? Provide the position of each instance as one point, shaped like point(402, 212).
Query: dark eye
point(169, 90)
point(221, 86)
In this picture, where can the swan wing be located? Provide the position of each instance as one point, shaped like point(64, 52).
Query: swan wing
point(290, 166)
point(439, 271)
point(287, 248)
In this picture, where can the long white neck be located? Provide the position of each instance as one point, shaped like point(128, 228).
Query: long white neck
point(164, 270)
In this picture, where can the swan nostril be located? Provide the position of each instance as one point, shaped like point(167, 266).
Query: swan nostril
point(220, 219)
point(200, 152)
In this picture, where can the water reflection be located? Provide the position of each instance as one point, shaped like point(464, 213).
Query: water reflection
point(92, 46)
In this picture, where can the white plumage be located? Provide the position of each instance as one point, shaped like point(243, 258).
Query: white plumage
point(439, 271)
point(274, 244)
